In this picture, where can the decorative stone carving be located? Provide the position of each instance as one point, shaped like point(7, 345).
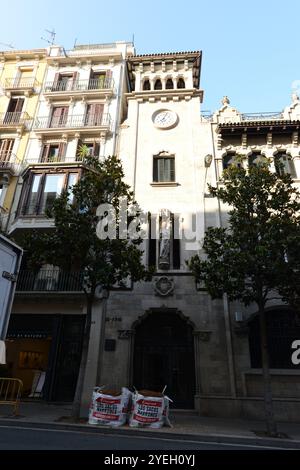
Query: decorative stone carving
point(164, 245)
point(164, 286)
point(203, 335)
point(225, 101)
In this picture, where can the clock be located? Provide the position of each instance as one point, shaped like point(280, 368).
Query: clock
point(165, 119)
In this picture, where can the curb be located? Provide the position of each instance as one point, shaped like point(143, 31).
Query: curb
point(200, 437)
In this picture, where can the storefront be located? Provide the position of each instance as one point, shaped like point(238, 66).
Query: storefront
point(44, 351)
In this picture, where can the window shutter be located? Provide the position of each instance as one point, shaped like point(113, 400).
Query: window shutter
point(55, 82)
point(172, 169)
point(155, 170)
point(161, 169)
point(108, 77)
point(291, 167)
point(96, 149)
point(176, 241)
point(152, 242)
point(62, 150)
point(74, 81)
point(19, 105)
point(45, 153)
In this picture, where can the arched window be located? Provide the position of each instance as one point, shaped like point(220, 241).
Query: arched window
point(169, 84)
point(256, 159)
point(146, 85)
point(228, 159)
point(158, 85)
point(283, 328)
point(284, 164)
point(180, 83)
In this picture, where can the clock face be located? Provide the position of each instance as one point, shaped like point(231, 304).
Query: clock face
point(164, 119)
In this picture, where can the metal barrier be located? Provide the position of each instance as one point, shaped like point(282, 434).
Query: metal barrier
point(10, 392)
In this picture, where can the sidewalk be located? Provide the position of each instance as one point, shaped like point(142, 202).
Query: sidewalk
point(185, 425)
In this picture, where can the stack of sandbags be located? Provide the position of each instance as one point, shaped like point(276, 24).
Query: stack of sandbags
point(149, 409)
point(109, 407)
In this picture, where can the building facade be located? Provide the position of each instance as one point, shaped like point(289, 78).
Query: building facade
point(21, 78)
point(147, 110)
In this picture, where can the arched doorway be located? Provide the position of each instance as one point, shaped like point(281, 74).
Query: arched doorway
point(164, 355)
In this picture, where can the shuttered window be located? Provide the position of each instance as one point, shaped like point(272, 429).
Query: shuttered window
point(163, 169)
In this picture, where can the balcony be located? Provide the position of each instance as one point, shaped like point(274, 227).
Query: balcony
point(10, 164)
point(49, 280)
point(85, 123)
point(93, 88)
point(19, 85)
point(15, 121)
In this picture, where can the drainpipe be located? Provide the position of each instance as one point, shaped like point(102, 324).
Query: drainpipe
point(225, 299)
point(118, 110)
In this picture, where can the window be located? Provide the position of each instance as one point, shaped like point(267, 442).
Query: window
point(180, 83)
point(42, 189)
point(146, 85)
point(6, 146)
point(158, 85)
point(14, 111)
point(255, 159)
point(97, 80)
point(163, 168)
point(169, 84)
point(284, 164)
point(94, 114)
point(64, 81)
point(59, 116)
point(93, 149)
point(53, 153)
point(282, 329)
point(228, 160)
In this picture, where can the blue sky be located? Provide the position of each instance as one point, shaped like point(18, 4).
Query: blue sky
point(250, 49)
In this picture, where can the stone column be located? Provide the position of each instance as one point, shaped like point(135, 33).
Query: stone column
point(94, 354)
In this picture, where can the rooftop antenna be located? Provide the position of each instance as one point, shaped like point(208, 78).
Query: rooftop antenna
point(133, 38)
point(75, 42)
point(52, 36)
point(7, 45)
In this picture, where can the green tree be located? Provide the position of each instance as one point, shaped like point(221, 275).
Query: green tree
point(249, 258)
point(74, 246)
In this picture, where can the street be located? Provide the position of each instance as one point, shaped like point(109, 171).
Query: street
point(29, 438)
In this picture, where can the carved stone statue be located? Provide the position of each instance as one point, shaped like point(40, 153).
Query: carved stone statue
point(164, 247)
point(225, 101)
point(295, 97)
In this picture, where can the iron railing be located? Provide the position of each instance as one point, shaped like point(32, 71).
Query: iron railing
point(49, 280)
point(9, 161)
point(86, 120)
point(19, 83)
point(14, 119)
point(79, 85)
point(269, 116)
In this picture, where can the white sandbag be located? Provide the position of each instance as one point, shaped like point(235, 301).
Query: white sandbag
point(109, 409)
point(149, 411)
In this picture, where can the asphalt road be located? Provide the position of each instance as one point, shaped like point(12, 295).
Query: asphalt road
point(29, 438)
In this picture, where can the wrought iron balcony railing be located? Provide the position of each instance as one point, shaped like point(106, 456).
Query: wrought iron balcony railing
point(9, 162)
point(14, 119)
point(49, 280)
point(268, 116)
point(86, 120)
point(79, 85)
point(19, 83)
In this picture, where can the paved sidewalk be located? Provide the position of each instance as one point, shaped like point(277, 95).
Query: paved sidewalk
point(184, 424)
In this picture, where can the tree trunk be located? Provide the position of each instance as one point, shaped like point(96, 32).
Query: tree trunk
point(84, 355)
point(269, 411)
